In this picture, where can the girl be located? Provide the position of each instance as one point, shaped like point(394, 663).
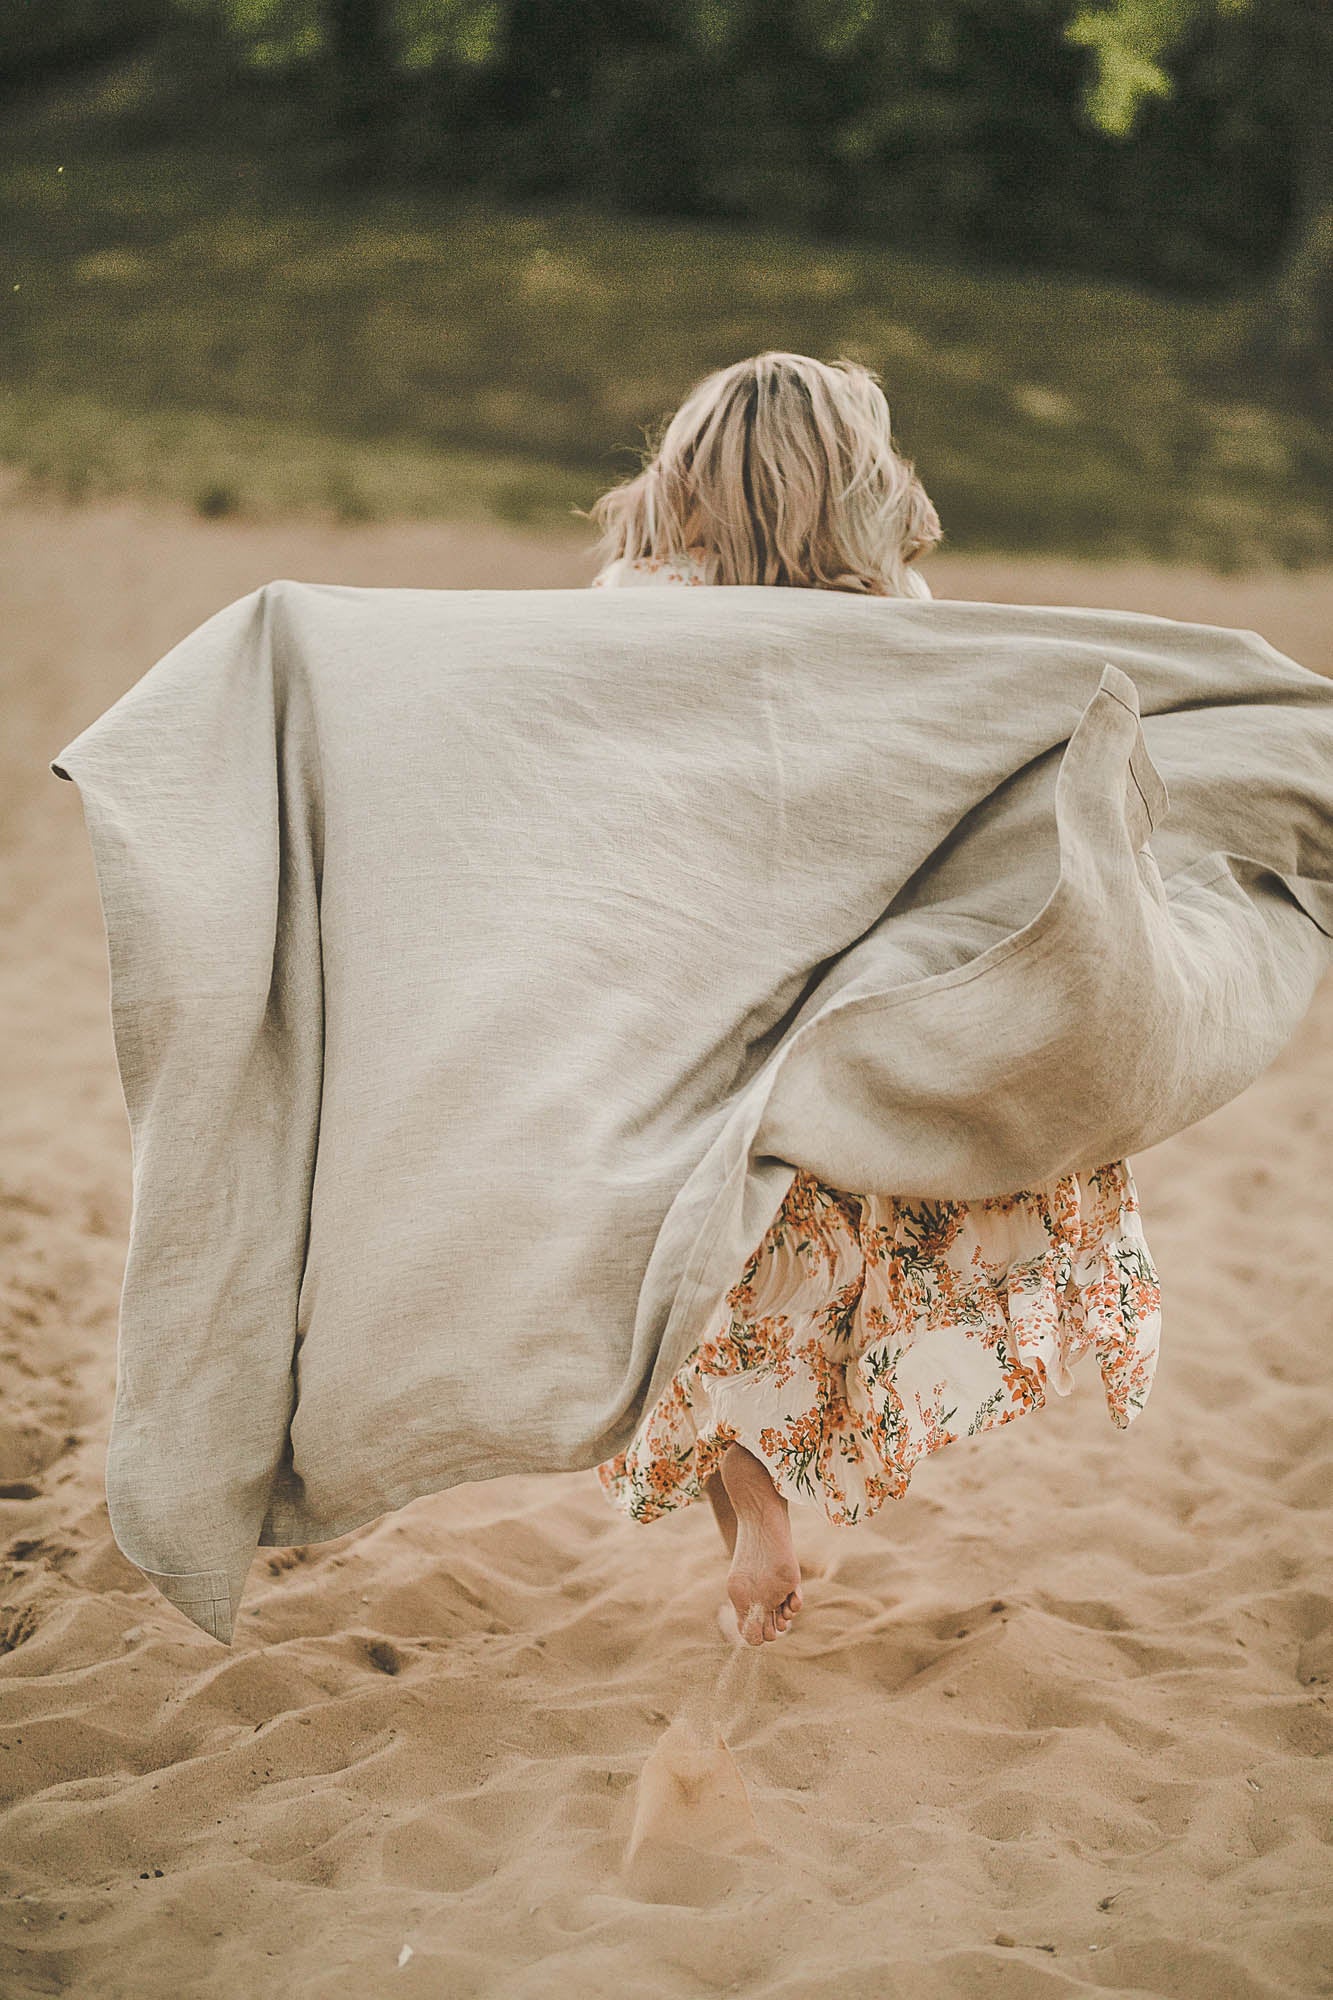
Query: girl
point(864, 1331)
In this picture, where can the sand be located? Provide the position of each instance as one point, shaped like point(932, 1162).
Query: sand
point(1051, 1725)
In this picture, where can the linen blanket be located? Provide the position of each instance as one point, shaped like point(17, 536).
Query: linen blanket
point(483, 964)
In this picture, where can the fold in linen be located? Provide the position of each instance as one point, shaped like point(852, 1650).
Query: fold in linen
point(206, 840)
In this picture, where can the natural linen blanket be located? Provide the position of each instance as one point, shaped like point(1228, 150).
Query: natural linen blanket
point(567, 925)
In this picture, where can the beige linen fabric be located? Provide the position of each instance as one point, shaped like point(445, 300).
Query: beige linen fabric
point(484, 963)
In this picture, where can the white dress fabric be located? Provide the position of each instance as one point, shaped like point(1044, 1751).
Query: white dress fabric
point(865, 1331)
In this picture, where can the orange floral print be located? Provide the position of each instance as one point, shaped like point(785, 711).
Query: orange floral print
point(686, 569)
point(866, 1332)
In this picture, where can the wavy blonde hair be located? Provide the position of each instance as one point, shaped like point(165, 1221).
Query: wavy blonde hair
point(779, 469)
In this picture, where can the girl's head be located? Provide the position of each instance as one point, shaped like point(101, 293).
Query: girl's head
point(779, 470)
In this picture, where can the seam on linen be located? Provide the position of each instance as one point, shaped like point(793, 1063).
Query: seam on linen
point(1142, 794)
point(700, 1257)
point(1134, 752)
point(963, 975)
point(702, 1248)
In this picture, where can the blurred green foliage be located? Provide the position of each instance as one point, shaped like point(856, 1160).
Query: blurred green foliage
point(184, 320)
point(454, 256)
point(964, 126)
point(1132, 40)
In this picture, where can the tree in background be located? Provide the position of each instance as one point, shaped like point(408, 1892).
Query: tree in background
point(1174, 142)
point(1131, 40)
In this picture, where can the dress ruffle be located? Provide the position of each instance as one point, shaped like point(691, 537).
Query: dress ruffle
point(866, 1331)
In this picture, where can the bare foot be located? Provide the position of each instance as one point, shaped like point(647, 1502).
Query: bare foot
point(765, 1578)
point(723, 1511)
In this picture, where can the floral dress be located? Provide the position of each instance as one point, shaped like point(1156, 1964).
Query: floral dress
point(866, 1331)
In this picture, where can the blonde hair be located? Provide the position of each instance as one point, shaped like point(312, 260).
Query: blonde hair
point(779, 470)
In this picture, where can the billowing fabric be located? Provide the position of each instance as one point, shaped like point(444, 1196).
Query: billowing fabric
point(572, 925)
point(866, 1331)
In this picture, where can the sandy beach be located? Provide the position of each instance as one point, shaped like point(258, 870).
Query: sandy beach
point(1053, 1725)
